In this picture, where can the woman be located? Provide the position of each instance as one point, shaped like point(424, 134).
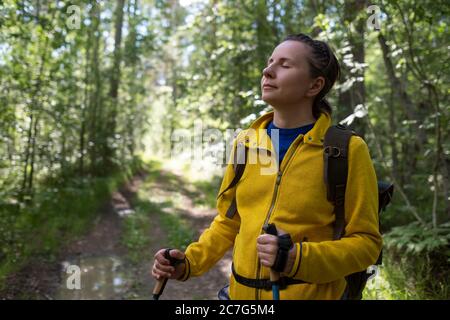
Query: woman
point(300, 72)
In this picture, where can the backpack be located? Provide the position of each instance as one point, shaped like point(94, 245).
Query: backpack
point(336, 143)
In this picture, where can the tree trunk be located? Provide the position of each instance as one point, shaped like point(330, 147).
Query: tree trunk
point(85, 103)
point(393, 129)
point(130, 129)
point(27, 181)
point(95, 101)
point(27, 158)
point(288, 17)
point(398, 88)
point(115, 72)
point(358, 91)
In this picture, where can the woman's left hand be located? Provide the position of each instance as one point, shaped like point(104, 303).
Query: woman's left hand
point(267, 248)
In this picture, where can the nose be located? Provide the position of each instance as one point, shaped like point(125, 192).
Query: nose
point(268, 72)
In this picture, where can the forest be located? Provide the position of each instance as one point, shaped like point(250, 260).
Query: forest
point(115, 116)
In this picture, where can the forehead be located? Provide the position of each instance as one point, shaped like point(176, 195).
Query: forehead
point(291, 49)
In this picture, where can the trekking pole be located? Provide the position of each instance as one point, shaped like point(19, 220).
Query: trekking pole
point(161, 283)
point(274, 275)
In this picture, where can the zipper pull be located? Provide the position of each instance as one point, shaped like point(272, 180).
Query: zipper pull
point(279, 177)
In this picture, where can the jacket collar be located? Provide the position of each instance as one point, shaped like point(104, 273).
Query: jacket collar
point(256, 135)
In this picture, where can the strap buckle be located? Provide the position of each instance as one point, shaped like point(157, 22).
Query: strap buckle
point(282, 283)
point(334, 152)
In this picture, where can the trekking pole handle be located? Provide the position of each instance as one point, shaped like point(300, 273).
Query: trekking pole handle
point(161, 283)
point(272, 229)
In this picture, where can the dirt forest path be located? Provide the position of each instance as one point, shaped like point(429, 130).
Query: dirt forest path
point(107, 271)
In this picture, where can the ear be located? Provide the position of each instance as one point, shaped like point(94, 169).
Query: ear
point(316, 86)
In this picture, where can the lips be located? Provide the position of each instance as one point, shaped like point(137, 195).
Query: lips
point(266, 85)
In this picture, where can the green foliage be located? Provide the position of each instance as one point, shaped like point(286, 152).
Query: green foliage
point(207, 191)
point(136, 228)
point(154, 211)
point(408, 277)
point(418, 239)
point(179, 232)
point(417, 261)
point(60, 213)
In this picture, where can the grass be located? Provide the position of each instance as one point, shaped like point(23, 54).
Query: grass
point(179, 232)
point(135, 236)
point(407, 278)
point(380, 288)
point(59, 213)
point(208, 190)
point(164, 203)
point(137, 230)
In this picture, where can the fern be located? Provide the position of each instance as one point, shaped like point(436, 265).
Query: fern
point(416, 239)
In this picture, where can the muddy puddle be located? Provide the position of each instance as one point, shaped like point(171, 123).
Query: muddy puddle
point(93, 278)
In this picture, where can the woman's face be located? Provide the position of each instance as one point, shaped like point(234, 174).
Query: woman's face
point(286, 79)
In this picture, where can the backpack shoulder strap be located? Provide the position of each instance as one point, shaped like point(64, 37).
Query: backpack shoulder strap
point(239, 162)
point(335, 157)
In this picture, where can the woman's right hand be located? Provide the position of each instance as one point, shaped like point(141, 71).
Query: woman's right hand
point(163, 269)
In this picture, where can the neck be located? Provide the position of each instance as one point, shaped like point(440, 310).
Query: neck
point(293, 116)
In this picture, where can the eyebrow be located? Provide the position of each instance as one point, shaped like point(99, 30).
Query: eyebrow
point(281, 59)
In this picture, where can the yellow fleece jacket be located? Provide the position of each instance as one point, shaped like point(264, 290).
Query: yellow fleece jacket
point(293, 196)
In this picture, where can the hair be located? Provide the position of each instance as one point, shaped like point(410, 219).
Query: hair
point(322, 62)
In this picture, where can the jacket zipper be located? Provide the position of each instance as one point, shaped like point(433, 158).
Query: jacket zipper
point(272, 204)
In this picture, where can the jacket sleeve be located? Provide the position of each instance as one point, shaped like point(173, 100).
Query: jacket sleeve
point(215, 241)
point(361, 244)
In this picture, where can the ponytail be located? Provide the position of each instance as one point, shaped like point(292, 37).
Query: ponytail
point(321, 106)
